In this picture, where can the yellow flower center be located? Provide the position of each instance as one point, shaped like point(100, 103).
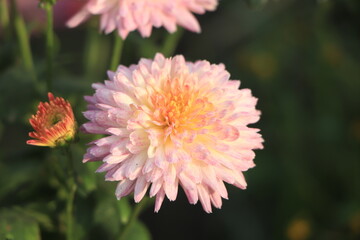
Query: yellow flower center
point(54, 118)
point(181, 108)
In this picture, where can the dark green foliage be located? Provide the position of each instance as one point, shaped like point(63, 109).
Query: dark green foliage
point(300, 58)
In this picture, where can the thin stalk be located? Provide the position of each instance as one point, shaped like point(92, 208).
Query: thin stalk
point(118, 47)
point(134, 215)
point(171, 42)
point(72, 186)
point(4, 15)
point(124, 209)
point(69, 213)
point(49, 44)
point(24, 43)
point(93, 49)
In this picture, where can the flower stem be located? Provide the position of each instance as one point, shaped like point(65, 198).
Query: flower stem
point(49, 44)
point(118, 46)
point(69, 213)
point(134, 215)
point(124, 210)
point(24, 45)
point(171, 42)
point(4, 15)
point(93, 49)
point(72, 186)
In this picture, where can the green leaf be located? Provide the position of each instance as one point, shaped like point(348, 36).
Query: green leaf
point(138, 232)
point(124, 210)
point(106, 216)
point(15, 226)
point(39, 212)
point(17, 174)
point(86, 176)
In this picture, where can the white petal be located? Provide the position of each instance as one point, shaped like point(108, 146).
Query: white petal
point(124, 188)
point(141, 187)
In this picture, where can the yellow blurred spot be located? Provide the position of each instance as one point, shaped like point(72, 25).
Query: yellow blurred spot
point(355, 129)
point(298, 229)
point(8, 227)
point(332, 53)
point(355, 224)
point(264, 65)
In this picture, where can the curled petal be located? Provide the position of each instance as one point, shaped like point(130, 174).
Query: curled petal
point(54, 123)
point(124, 188)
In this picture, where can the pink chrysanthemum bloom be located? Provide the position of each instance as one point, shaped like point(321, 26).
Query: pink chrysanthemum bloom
point(54, 123)
point(129, 15)
point(173, 123)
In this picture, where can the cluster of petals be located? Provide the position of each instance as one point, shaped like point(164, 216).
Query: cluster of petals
point(172, 123)
point(54, 123)
point(142, 15)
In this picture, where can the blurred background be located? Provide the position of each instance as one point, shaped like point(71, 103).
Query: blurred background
point(300, 58)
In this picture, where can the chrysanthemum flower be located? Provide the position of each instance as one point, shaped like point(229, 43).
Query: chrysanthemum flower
point(172, 123)
point(54, 123)
point(129, 15)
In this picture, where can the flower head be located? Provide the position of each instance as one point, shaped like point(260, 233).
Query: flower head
point(170, 123)
point(54, 123)
point(129, 15)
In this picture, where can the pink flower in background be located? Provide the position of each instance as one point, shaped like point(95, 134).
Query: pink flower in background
point(63, 10)
point(172, 123)
point(128, 15)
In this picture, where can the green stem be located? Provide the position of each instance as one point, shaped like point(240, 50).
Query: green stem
point(118, 46)
point(24, 44)
point(72, 186)
point(93, 49)
point(124, 209)
point(171, 42)
point(4, 15)
point(49, 44)
point(134, 215)
point(70, 162)
point(69, 213)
